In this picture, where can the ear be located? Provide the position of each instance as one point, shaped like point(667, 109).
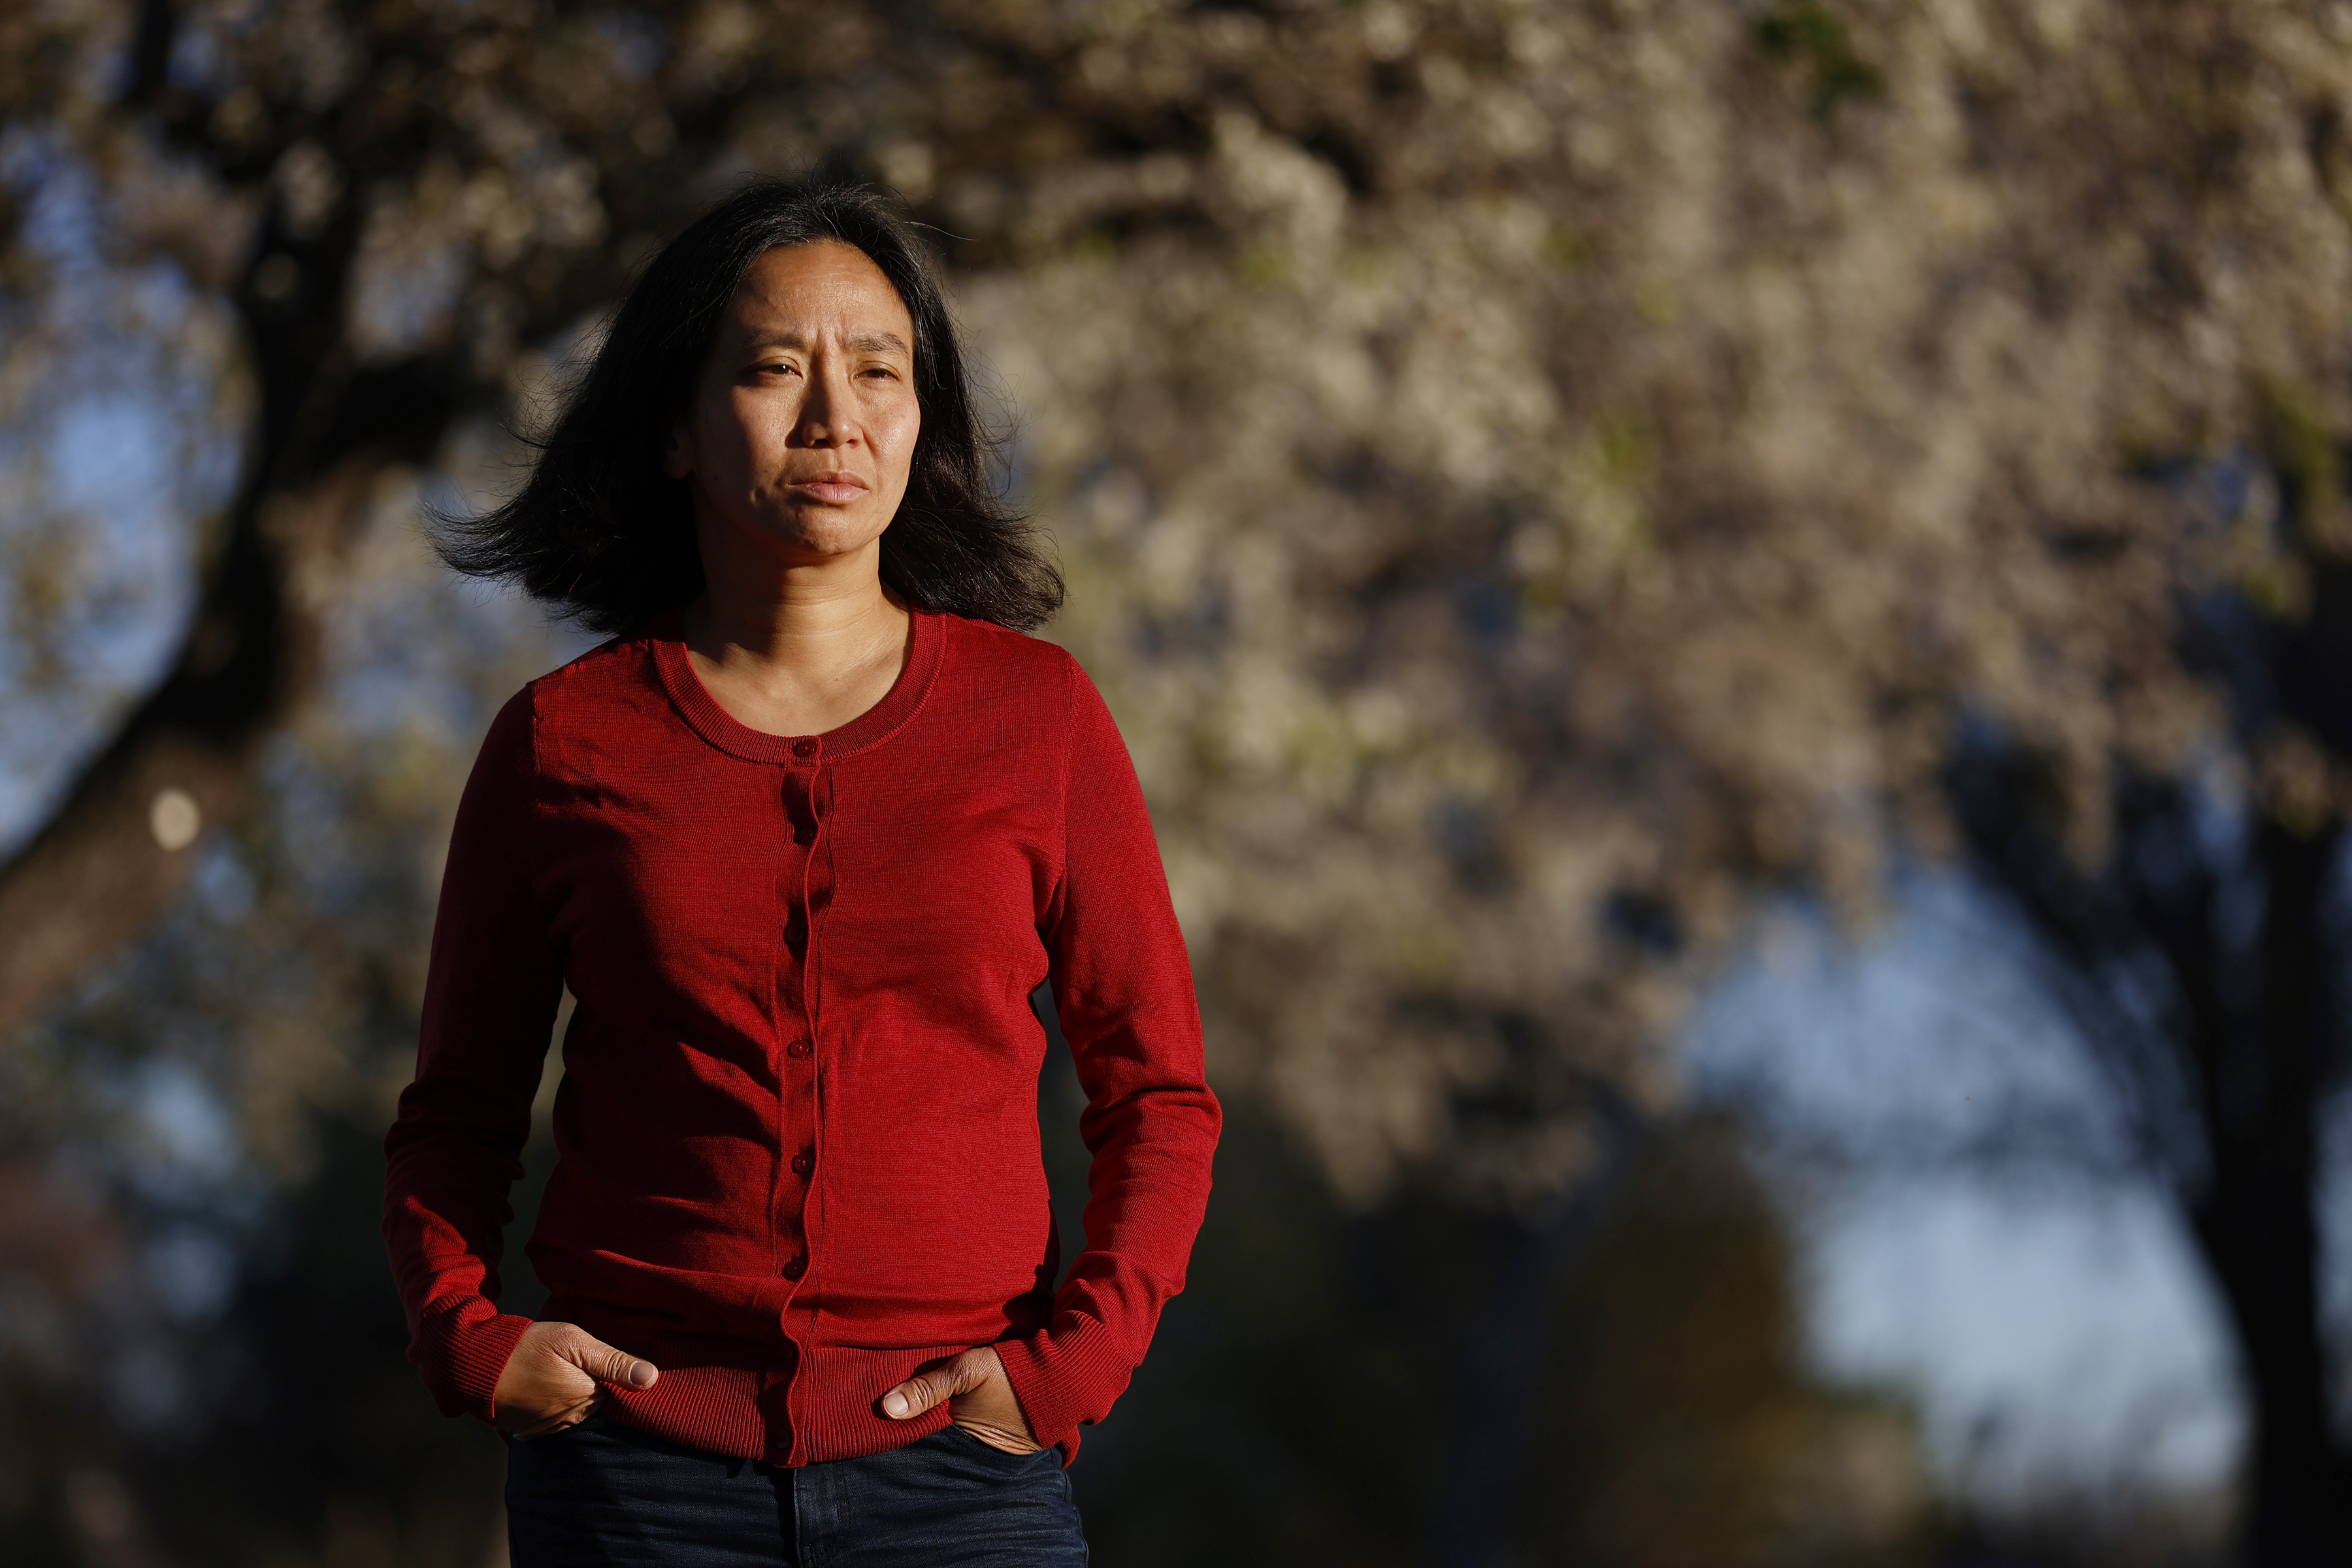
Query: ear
point(677, 457)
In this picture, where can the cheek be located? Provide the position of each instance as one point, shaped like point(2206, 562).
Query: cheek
point(728, 437)
point(762, 426)
point(899, 449)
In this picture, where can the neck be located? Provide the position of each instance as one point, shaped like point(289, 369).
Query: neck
point(804, 618)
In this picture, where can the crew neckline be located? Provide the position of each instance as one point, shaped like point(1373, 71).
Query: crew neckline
point(926, 642)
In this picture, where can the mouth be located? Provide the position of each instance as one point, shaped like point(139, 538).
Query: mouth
point(833, 487)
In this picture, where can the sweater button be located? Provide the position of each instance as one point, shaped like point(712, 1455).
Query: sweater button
point(803, 1164)
point(798, 1050)
point(805, 748)
point(796, 1266)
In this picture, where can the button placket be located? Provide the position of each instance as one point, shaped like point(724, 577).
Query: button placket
point(795, 1109)
point(816, 892)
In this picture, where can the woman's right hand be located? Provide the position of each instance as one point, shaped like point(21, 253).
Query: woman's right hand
point(556, 1378)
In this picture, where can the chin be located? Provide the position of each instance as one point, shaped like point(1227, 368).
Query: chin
point(824, 535)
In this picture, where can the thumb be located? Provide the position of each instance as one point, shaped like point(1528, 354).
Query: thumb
point(935, 1384)
point(605, 1365)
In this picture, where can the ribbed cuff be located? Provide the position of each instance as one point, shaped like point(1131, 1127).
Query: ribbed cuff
point(461, 1347)
point(1065, 1376)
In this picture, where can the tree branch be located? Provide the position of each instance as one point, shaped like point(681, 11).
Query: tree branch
point(113, 858)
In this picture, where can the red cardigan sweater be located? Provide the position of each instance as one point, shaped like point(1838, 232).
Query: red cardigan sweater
point(796, 1135)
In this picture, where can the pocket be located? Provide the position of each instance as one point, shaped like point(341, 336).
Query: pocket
point(990, 1451)
point(594, 1418)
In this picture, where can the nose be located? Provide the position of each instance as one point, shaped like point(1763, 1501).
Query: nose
point(826, 418)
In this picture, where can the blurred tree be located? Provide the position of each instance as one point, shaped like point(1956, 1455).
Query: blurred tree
point(1675, 1425)
point(199, 1358)
point(2204, 962)
point(1532, 473)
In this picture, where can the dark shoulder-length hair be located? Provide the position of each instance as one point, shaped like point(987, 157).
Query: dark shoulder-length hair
point(602, 534)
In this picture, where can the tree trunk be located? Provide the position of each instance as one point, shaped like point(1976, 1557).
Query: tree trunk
point(2262, 1076)
point(118, 851)
point(2256, 1058)
point(1500, 1372)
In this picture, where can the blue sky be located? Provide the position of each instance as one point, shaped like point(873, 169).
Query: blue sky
point(2046, 1309)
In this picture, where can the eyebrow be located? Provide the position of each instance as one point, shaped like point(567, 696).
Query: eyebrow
point(865, 342)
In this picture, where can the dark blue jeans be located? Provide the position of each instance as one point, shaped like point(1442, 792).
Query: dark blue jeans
point(603, 1493)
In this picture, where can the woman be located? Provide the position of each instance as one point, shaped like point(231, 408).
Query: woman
point(802, 840)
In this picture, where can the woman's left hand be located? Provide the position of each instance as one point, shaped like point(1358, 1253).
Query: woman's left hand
point(978, 1397)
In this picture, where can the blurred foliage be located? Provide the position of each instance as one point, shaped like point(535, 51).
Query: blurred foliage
point(1676, 1379)
point(1519, 464)
point(1298, 1403)
point(199, 1347)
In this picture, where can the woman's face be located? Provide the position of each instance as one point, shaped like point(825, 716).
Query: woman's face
point(802, 423)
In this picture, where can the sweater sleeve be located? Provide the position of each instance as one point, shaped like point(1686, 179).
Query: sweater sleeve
point(1124, 990)
point(455, 1147)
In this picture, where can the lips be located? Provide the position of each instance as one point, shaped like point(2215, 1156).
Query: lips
point(834, 487)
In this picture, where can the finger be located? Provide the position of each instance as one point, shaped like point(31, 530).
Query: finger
point(933, 1384)
point(1001, 1438)
point(553, 1421)
point(605, 1365)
